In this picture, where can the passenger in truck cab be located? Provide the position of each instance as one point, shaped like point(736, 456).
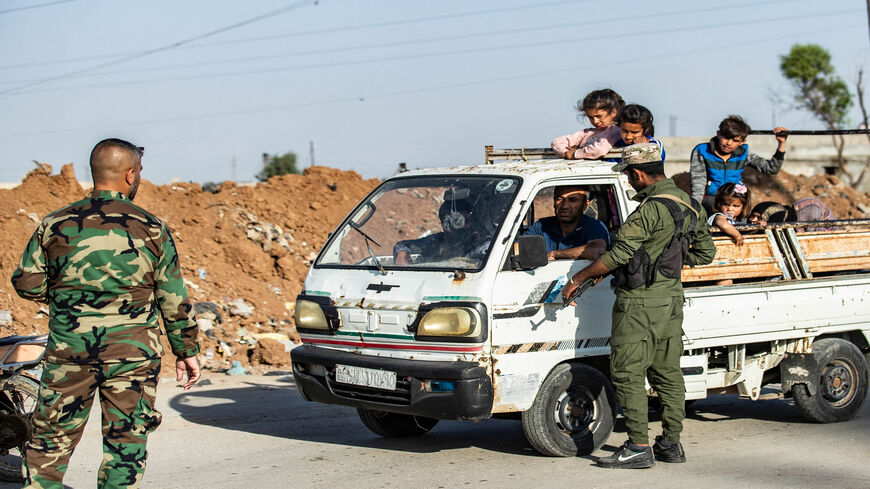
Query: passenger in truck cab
point(460, 238)
point(570, 234)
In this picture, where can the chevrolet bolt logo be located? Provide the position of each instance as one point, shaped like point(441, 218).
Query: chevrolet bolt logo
point(381, 287)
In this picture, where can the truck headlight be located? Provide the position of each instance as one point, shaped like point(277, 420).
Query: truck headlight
point(450, 321)
point(309, 315)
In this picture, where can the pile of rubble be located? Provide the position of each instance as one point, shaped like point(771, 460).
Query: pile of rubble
point(244, 251)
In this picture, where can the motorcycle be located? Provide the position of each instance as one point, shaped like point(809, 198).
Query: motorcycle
point(20, 370)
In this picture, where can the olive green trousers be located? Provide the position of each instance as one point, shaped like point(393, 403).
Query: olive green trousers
point(646, 344)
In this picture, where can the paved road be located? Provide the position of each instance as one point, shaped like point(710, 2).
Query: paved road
point(256, 431)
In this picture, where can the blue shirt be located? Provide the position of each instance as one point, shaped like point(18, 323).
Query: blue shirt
point(587, 229)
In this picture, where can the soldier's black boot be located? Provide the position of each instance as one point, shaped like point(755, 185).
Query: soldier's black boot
point(629, 456)
point(669, 451)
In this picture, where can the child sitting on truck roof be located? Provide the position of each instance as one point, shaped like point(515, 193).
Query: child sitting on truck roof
point(601, 108)
point(636, 126)
point(724, 157)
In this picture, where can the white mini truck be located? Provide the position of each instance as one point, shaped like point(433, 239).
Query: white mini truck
point(410, 323)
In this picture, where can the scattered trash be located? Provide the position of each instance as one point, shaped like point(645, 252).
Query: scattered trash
point(33, 217)
point(224, 350)
point(206, 326)
point(208, 310)
point(241, 308)
point(5, 318)
point(201, 272)
point(237, 369)
point(209, 355)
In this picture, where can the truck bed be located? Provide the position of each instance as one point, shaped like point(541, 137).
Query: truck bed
point(788, 251)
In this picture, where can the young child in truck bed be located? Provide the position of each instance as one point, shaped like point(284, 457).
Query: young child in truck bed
point(724, 158)
point(601, 108)
point(732, 204)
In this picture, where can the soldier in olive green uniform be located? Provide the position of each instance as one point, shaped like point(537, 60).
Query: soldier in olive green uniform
point(107, 269)
point(646, 337)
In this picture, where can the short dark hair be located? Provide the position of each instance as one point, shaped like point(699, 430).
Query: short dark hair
point(562, 188)
point(637, 114)
point(734, 126)
point(117, 143)
point(605, 99)
point(653, 169)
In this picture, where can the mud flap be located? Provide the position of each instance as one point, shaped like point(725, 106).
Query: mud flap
point(799, 368)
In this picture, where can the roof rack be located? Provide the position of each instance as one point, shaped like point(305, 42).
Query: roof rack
point(525, 154)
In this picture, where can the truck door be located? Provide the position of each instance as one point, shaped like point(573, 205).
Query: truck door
point(532, 331)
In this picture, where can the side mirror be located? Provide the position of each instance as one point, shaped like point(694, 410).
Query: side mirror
point(527, 253)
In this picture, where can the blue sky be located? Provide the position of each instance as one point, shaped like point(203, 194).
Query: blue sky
point(378, 82)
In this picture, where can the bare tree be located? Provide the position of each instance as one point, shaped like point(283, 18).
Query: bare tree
point(859, 89)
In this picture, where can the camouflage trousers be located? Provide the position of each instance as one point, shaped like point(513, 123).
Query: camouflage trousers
point(66, 394)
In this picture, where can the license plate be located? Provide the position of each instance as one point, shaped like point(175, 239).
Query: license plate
point(368, 377)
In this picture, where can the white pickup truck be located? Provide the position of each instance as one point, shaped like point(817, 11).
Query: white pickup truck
point(411, 324)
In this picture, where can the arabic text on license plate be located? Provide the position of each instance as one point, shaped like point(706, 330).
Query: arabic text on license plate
point(369, 377)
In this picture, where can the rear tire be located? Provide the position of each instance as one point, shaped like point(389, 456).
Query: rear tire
point(18, 398)
point(841, 383)
point(573, 413)
point(393, 425)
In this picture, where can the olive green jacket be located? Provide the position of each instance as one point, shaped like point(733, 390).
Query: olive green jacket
point(107, 269)
point(652, 226)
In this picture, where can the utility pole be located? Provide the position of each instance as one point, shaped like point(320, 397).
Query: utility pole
point(311, 147)
point(672, 122)
point(265, 161)
point(868, 15)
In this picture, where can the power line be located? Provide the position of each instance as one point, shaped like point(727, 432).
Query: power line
point(418, 56)
point(548, 27)
point(408, 21)
point(221, 30)
point(16, 9)
point(320, 31)
point(435, 88)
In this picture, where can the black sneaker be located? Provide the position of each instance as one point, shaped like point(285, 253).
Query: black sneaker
point(669, 452)
point(628, 457)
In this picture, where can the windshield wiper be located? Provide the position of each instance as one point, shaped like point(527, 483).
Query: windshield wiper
point(368, 239)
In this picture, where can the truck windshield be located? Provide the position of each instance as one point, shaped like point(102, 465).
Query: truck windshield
point(444, 222)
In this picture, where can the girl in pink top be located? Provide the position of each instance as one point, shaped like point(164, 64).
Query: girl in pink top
point(601, 107)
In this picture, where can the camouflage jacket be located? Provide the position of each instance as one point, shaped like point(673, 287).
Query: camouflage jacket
point(107, 268)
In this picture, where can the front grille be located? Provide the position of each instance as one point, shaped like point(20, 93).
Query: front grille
point(399, 397)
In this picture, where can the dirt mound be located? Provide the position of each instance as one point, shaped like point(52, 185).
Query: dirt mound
point(244, 250)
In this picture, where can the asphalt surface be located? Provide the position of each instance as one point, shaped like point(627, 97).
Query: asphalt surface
point(257, 431)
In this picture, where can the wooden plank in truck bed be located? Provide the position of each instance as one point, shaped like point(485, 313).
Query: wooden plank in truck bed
point(755, 259)
point(843, 249)
point(829, 251)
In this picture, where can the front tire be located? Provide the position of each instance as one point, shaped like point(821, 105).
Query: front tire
point(393, 425)
point(573, 413)
point(841, 383)
point(18, 400)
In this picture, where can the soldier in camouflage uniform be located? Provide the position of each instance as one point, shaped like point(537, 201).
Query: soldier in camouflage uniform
point(107, 269)
point(646, 337)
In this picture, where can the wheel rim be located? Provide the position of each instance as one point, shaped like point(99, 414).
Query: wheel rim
point(837, 384)
point(576, 412)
